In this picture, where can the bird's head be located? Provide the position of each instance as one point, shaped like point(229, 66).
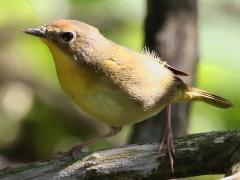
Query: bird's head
point(73, 37)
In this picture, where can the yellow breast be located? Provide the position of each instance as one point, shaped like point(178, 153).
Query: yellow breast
point(94, 93)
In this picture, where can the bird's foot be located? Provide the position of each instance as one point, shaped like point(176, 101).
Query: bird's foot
point(74, 152)
point(168, 141)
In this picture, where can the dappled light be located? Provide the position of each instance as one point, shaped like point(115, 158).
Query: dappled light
point(37, 119)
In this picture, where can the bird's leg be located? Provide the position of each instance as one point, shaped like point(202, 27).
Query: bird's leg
point(76, 149)
point(112, 132)
point(168, 138)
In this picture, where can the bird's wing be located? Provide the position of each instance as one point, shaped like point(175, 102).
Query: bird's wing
point(153, 55)
point(176, 71)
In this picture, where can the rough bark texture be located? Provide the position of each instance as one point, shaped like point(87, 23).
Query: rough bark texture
point(198, 154)
point(170, 30)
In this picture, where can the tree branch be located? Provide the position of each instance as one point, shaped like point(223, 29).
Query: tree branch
point(197, 154)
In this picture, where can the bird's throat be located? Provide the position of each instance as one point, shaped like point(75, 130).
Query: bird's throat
point(73, 77)
point(61, 59)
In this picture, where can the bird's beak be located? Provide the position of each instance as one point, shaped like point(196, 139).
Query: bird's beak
point(40, 31)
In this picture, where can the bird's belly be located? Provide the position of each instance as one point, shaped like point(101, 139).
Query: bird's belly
point(99, 97)
point(95, 94)
point(102, 100)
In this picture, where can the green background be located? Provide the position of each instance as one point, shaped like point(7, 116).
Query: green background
point(35, 121)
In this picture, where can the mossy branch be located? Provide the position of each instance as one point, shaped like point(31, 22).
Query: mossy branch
point(197, 154)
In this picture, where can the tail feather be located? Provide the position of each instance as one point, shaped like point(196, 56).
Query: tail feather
point(204, 96)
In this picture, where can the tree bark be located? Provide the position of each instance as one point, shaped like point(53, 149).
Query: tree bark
point(170, 30)
point(198, 154)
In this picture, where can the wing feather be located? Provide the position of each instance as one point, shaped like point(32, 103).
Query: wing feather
point(154, 55)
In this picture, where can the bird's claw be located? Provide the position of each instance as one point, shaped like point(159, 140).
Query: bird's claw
point(168, 141)
point(74, 152)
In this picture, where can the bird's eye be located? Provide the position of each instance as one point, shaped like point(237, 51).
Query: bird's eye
point(67, 36)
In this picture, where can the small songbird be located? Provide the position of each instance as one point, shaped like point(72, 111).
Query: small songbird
point(114, 84)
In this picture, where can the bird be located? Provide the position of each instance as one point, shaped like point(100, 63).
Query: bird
point(114, 84)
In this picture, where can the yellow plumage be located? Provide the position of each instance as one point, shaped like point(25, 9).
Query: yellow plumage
point(100, 98)
point(114, 84)
point(107, 80)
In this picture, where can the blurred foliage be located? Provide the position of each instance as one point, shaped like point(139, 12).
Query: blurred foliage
point(219, 66)
point(37, 120)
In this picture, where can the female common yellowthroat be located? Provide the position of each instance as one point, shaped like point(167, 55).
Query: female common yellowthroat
point(114, 84)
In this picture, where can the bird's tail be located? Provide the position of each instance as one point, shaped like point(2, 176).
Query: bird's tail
point(204, 96)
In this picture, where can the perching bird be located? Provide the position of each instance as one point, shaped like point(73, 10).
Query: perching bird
point(114, 84)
